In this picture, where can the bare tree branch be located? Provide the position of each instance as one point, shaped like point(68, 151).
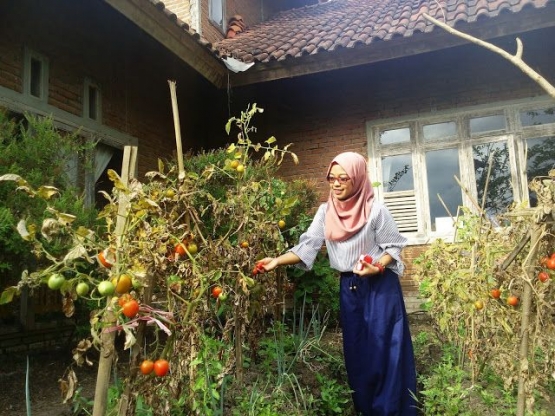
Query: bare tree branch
point(515, 59)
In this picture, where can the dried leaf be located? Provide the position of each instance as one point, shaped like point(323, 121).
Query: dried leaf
point(46, 192)
point(67, 386)
point(22, 230)
point(68, 306)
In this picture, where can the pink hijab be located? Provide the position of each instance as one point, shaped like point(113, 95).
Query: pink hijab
point(345, 218)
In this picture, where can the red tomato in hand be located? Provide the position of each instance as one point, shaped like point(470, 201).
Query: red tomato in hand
point(147, 366)
point(130, 308)
point(161, 367)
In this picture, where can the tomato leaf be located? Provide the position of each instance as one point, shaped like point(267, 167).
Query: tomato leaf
point(8, 294)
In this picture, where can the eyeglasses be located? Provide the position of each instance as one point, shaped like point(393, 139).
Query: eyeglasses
point(342, 179)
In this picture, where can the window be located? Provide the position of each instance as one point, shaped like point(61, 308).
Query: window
point(217, 12)
point(428, 167)
point(91, 101)
point(35, 75)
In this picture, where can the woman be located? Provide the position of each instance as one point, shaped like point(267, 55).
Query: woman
point(376, 340)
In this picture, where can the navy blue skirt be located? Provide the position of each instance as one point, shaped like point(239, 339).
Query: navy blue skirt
point(377, 345)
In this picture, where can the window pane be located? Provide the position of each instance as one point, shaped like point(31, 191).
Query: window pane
point(217, 11)
point(36, 77)
point(397, 173)
point(485, 124)
point(441, 167)
point(93, 102)
point(395, 136)
point(540, 159)
point(440, 130)
point(499, 189)
point(537, 117)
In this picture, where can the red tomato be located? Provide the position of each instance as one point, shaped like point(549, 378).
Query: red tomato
point(130, 308)
point(147, 366)
point(180, 249)
point(550, 263)
point(258, 268)
point(512, 300)
point(106, 258)
point(161, 367)
point(495, 293)
point(216, 291)
point(543, 276)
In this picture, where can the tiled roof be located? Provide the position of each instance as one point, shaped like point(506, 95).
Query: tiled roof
point(350, 23)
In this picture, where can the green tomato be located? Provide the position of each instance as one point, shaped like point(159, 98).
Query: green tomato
point(82, 289)
point(222, 297)
point(56, 281)
point(106, 288)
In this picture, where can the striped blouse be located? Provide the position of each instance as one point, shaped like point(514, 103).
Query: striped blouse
point(379, 235)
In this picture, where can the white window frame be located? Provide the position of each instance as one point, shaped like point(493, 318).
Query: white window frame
point(29, 56)
point(514, 135)
point(87, 84)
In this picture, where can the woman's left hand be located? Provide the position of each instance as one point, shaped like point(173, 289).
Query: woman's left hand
point(363, 268)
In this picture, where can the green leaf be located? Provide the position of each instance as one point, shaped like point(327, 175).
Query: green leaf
point(228, 125)
point(8, 294)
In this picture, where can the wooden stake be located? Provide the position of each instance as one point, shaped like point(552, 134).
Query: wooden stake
point(108, 338)
point(177, 128)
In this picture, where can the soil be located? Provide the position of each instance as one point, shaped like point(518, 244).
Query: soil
point(48, 366)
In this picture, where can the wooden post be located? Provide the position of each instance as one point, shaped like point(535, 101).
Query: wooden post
point(177, 128)
point(535, 237)
point(107, 338)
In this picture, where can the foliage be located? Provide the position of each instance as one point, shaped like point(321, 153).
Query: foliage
point(317, 286)
point(177, 237)
point(456, 280)
point(33, 147)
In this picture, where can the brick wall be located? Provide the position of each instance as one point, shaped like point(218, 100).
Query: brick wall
point(324, 114)
point(89, 39)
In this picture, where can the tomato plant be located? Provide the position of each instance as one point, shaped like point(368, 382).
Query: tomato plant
point(161, 367)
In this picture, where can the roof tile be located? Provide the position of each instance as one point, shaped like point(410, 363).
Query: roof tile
point(348, 23)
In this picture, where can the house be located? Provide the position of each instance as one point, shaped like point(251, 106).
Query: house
point(370, 76)
point(427, 108)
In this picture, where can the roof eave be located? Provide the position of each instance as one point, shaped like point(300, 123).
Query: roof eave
point(176, 39)
point(505, 24)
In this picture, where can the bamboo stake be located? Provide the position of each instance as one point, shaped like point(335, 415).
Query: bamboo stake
point(177, 128)
point(525, 323)
point(107, 347)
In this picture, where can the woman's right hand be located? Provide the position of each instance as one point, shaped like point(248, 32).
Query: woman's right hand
point(268, 263)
